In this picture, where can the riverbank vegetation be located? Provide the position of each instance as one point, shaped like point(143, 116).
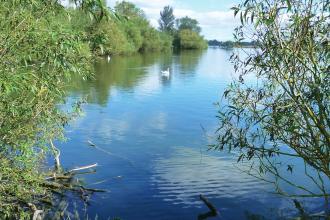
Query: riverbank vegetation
point(281, 123)
point(232, 44)
point(38, 53)
point(130, 32)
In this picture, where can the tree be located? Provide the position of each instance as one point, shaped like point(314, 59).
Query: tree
point(129, 10)
point(189, 24)
point(282, 120)
point(191, 40)
point(167, 20)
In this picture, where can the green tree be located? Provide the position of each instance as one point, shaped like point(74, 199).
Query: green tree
point(167, 20)
point(187, 23)
point(129, 10)
point(139, 33)
point(188, 39)
point(282, 119)
point(108, 37)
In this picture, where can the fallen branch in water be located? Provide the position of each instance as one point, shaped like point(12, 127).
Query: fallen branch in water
point(213, 209)
point(57, 154)
point(81, 168)
point(37, 213)
point(91, 143)
point(92, 189)
point(58, 176)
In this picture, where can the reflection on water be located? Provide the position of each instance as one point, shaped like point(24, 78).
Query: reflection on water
point(150, 127)
point(126, 72)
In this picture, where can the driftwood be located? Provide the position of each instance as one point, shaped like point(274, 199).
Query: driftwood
point(213, 210)
point(57, 154)
point(82, 168)
point(91, 143)
point(37, 213)
point(59, 183)
point(58, 176)
point(92, 189)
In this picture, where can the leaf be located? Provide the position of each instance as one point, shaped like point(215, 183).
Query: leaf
point(257, 23)
point(240, 157)
point(289, 4)
point(225, 93)
point(236, 10)
point(290, 168)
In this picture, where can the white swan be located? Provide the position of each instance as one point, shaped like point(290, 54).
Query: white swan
point(108, 58)
point(166, 72)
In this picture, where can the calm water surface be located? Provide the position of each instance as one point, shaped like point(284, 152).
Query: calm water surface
point(152, 133)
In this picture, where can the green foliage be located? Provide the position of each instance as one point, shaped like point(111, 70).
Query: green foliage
point(129, 10)
point(37, 55)
point(187, 36)
point(129, 34)
point(167, 20)
point(134, 35)
point(154, 41)
point(188, 39)
point(286, 115)
point(108, 38)
point(187, 23)
point(19, 187)
point(232, 44)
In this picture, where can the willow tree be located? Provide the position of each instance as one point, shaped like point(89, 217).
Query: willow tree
point(280, 118)
point(38, 53)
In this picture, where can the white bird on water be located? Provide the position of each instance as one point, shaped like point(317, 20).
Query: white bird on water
point(166, 72)
point(108, 58)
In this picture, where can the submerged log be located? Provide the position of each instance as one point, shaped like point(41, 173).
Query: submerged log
point(212, 208)
point(213, 211)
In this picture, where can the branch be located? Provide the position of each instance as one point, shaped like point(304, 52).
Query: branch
point(57, 154)
point(82, 168)
point(212, 208)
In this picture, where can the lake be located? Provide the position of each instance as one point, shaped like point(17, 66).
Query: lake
point(152, 133)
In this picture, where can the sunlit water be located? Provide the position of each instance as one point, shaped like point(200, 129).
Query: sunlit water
point(151, 134)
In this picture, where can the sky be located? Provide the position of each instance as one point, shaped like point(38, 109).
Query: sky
point(214, 16)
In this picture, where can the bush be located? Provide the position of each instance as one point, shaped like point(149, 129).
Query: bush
point(188, 39)
point(108, 38)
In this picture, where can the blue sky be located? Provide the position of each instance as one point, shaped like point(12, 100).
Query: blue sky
point(215, 17)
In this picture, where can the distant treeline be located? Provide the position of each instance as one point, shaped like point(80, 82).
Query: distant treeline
point(231, 44)
point(128, 31)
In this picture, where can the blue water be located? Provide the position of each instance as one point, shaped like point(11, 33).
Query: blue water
point(152, 134)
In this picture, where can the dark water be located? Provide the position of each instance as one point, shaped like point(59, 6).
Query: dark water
point(152, 133)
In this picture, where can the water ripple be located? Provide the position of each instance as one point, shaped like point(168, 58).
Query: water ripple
point(181, 177)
